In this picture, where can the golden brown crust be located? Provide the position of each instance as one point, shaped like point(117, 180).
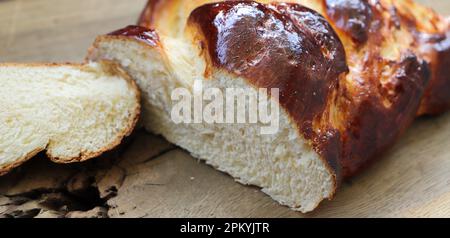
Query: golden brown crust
point(110, 68)
point(381, 95)
point(430, 40)
point(427, 34)
point(353, 17)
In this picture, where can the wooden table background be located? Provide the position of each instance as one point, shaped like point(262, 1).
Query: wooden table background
point(155, 179)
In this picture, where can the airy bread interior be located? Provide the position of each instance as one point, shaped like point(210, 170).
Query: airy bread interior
point(284, 164)
point(74, 112)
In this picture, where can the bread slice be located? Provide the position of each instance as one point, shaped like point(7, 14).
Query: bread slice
point(74, 112)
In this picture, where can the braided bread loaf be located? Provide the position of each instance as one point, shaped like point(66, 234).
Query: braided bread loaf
point(352, 76)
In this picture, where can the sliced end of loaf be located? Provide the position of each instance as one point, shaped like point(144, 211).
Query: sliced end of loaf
point(284, 165)
point(74, 112)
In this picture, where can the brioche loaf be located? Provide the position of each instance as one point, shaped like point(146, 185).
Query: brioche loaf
point(351, 75)
point(74, 112)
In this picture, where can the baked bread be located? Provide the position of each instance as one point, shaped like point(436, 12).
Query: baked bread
point(74, 112)
point(349, 77)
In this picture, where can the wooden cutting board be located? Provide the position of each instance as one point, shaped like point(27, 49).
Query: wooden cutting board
point(148, 177)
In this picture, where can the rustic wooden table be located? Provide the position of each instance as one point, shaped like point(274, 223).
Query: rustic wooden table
point(148, 177)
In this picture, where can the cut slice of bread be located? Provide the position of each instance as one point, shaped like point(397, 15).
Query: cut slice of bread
point(74, 112)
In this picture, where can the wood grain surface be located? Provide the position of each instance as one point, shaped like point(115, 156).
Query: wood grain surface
point(148, 177)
